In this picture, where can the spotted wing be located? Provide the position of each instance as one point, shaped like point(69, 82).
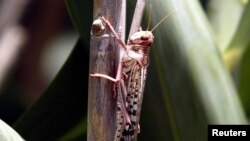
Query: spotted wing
point(135, 76)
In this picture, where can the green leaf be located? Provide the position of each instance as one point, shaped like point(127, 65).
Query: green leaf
point(81, 15)
point(239, 42)
point(62, 105)
point(241, 37)
point(244, 79)
point(237, 57)
point(8, 134)
point(224, 22)
point(188, 86)
point(77, 132)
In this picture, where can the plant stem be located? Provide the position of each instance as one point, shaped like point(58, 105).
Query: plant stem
point(138, 14)
point(104, 57)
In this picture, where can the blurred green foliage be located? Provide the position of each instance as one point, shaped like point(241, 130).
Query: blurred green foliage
point(189, 83)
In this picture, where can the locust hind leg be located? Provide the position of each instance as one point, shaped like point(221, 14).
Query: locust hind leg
point(117, 86)
point(115, 80)
point(105, 77)
point(121, 122)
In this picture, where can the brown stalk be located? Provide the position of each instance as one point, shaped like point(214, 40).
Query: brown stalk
point(104, 57)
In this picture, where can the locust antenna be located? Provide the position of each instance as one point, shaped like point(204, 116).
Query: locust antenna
point(168, 15)
point(149, 19)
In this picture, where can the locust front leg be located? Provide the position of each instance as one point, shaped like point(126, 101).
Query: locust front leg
point(114, 32)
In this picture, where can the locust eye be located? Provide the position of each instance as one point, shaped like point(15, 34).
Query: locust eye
point(144, 37)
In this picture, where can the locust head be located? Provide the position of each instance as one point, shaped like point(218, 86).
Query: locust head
point(140, 43)
point(142, 38)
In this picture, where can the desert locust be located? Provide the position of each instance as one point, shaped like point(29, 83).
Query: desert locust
point(130, 78)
